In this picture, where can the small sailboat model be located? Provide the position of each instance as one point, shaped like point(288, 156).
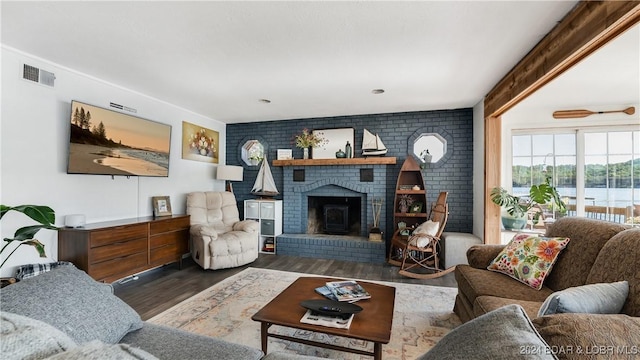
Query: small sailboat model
point(372, 145)
point(264, 185)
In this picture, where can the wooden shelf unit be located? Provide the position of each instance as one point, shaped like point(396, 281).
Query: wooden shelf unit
point(383, 160)
point(410, 175)
point(111, 250)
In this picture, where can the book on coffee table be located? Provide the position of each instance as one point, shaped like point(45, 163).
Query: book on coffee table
point(347, 290)
point(314, 318)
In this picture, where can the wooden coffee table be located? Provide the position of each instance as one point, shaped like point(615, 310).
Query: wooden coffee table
point(372, 324)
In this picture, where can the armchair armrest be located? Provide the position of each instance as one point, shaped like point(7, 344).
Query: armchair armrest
point(202, 230)
point(480, 256)
point(250, 226)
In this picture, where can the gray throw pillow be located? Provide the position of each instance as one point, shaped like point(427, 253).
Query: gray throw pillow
point(71, 301)
point(504, 333)
point(25, 338)
point(591, 299)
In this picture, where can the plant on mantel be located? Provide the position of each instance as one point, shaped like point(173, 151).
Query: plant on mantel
point(43, 215)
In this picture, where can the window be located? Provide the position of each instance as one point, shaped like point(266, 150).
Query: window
point(597, 172)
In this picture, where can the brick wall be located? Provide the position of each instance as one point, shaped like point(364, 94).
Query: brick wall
point(397, 131)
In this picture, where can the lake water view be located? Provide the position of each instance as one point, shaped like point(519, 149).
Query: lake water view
point(597, 196)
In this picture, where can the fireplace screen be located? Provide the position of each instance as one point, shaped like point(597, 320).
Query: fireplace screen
point(336, 219)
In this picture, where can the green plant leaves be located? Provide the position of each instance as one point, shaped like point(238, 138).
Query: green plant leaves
point(42, 214)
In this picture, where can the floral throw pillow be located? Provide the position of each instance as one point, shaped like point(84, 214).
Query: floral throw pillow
point(529, 258)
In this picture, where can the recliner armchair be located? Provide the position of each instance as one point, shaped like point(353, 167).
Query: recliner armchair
point(219, 239)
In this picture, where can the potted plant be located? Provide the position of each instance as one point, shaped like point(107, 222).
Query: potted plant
point(518, 207)
point(404, 202)
point(43, 215)
point(307, 139)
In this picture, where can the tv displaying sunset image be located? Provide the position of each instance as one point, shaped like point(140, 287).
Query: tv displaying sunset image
point(107, 142)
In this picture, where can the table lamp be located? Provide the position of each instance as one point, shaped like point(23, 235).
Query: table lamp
point(229, 173)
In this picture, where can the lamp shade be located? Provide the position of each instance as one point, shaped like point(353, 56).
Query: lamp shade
point(229, 172)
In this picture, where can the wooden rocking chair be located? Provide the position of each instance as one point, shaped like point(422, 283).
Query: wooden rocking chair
point(420, 259)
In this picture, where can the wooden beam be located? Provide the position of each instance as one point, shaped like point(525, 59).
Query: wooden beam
point(492, 156)
point(590, 25)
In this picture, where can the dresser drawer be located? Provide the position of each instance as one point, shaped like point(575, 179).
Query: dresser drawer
point(165, 254)
point(117, 250)
point(158, 227)
point(118, 234)
point(119, 267)
point(175, 237)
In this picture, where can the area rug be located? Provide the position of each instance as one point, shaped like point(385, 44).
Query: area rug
point(423, 315)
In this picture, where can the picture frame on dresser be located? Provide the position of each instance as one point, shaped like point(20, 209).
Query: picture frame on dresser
point(161, 206)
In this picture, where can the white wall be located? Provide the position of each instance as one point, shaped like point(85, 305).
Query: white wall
point(34, 135)
point(478, 169)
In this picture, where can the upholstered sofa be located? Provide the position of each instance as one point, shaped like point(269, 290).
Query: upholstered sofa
point(598, 252)
point(65, 314)
point(218, 238)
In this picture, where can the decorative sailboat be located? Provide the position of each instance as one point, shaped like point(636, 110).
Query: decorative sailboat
point(264, 185)
point(372, 145)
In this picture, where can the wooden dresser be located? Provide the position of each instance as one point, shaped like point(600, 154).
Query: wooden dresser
point(112, 250)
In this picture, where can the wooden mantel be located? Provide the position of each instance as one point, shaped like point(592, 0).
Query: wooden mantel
point(351, 161)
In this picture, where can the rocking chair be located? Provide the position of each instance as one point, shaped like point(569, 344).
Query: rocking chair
point(420, 258)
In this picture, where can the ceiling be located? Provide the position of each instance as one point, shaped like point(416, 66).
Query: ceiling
point(310, 59)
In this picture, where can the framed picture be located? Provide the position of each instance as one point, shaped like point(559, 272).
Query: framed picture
point(336, 139)
point(416, 207)
point(285, 154)
point(200, 143)
point(161, 206)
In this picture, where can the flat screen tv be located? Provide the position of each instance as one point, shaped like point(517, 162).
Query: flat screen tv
point(107, 142)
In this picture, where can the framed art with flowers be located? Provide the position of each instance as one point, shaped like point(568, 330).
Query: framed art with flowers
point(200, 143)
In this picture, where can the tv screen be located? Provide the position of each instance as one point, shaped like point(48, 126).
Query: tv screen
point(107, 142)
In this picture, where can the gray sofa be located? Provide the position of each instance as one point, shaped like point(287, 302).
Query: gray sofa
point(65, 314)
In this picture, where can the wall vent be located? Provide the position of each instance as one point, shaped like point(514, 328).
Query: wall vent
point(30, 73)
point(122, 107)
point(40, 76)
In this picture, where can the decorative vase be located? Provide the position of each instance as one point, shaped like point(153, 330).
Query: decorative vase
point(305, 153)
point(348, 150)
point(340, 154)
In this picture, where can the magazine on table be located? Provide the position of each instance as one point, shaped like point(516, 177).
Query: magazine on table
point(314, 318)
point(348, 290)
point(326, 292)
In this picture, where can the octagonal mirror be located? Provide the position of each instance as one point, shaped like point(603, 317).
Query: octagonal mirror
point(252, 152)
point(430, 148)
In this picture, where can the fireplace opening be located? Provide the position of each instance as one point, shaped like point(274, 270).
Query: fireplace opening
point(333, 215)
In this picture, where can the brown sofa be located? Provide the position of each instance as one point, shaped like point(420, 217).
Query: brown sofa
point(598, 252)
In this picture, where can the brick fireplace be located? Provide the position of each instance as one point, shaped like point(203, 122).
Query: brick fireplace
point(312, 187)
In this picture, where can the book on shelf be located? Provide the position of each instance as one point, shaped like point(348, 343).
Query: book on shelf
point(348, 290)
point(314, 318)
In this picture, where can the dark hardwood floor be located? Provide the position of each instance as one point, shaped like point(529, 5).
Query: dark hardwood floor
point(157, 290)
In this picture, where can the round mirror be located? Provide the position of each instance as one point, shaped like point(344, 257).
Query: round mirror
point(430, 147)
point(252, 152)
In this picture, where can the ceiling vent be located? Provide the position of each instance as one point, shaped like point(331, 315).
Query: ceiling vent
point(122, 107)
point(40, 76)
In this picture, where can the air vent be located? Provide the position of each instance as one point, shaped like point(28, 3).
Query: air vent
point(122, 107)
point(30, 73)
point(47, 78)
point(34, 74)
